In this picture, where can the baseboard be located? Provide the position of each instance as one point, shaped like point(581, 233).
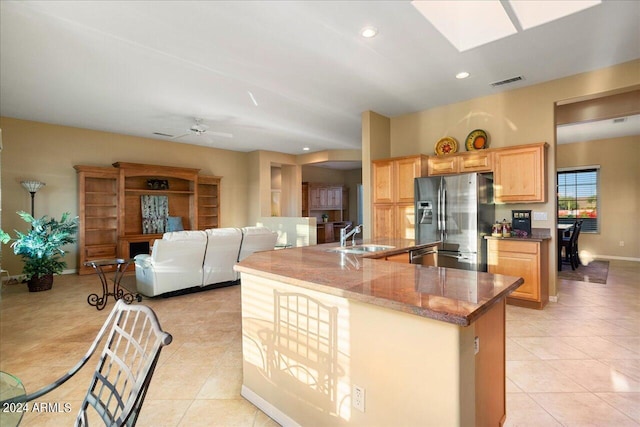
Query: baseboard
point(617, 258)
point(276, 414)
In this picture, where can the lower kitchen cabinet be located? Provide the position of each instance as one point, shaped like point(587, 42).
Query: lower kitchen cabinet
point(526, 259)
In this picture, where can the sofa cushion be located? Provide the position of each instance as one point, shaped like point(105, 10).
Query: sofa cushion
point(223, 246)
point(255, 239)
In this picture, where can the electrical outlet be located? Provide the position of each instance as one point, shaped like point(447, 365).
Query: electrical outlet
point(539, 216)
point(357, 398)
point(621, 242)
point(476, 345)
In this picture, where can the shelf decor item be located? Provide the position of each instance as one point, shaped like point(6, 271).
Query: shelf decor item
point(41, 248)
point(155, 211)
point(446, 145)
point(477, 140)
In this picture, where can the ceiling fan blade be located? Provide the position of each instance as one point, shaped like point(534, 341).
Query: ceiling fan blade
point(180, 136)
point(220, 134)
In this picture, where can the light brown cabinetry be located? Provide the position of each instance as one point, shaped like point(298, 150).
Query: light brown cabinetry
point(98, 214)
point(318, 199)
point(393, 187)
point(208, 202)
point(110, 206)
point(526, 259)
point(519, 174)
point(475, 161)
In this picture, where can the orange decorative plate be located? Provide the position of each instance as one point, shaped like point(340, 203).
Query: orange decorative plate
point(446, 145)
point(477, 140)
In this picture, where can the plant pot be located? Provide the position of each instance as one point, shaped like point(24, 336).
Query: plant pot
point(42, 283)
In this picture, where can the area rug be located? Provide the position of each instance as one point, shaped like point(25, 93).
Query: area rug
point(595, 272)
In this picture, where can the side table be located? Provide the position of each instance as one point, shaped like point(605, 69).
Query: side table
point(11, 412)
point(121, 265)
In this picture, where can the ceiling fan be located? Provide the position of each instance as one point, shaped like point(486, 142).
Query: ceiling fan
point(198, 129)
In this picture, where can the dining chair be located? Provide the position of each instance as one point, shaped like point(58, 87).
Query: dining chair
point(570, 245)
point(133, 340)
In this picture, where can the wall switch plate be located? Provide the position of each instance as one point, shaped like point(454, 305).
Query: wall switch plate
point(539, 216)
point(476, 345)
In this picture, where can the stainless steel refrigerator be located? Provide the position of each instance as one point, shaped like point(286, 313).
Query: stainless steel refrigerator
point(459, 211)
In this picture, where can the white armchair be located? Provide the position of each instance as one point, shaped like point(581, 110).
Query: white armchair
point(255, 239)
point(175, 263)
point(221, 255)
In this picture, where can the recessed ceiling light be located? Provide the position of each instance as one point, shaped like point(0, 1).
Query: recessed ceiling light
point(462, 75)
point(305, 149)
point(368, 32)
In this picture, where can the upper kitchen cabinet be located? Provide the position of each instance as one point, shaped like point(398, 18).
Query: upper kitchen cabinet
point(519, 174)
point(393, 178)
point(393, 187)
point(474, 161)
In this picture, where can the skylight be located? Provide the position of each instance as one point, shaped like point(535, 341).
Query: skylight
point(473, 23)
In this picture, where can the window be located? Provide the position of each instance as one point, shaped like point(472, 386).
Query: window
point(578, 197)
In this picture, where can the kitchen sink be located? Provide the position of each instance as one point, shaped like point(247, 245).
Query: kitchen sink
point(360, 249)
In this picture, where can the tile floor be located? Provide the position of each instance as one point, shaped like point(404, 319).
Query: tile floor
point(575, 363)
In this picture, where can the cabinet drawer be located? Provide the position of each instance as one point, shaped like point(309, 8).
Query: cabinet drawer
point(515, 246)
point(106, 251)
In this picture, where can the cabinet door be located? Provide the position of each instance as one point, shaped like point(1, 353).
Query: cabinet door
point(519, 174)
point(443, 165)
point(405, 170)
point(520, 259)
point(334, 197)
point(383, 181)
point(383, 220)
point(314, 198)
point(405, 221)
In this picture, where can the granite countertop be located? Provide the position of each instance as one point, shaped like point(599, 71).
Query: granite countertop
point(537, 235)
point(449, 295)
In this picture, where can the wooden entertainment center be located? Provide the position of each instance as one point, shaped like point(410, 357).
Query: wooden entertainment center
point(110, 209)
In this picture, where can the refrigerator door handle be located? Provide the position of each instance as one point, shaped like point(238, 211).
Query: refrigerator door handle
point(444, 213)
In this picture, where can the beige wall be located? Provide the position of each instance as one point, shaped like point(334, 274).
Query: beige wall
point(619, 192)
point(45, 152)
point(516, 117)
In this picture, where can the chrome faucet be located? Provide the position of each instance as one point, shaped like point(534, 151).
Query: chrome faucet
point(344, 235)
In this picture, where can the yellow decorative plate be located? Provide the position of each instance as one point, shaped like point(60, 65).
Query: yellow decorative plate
point(476, 140)
point(446, 145)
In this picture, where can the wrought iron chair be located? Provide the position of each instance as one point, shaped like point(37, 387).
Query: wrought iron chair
point(119, 385)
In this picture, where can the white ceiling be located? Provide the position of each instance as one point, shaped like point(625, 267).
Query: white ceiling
point(598, 129)
point(140, 67)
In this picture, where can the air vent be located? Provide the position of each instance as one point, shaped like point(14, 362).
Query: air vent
point(507, 81)
point(163, 134)
point(620, 120)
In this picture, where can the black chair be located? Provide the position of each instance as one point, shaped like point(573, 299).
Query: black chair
point(132, 342)
point(570, 245)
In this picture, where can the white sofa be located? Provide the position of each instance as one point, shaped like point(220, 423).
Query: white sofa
point(192, 259)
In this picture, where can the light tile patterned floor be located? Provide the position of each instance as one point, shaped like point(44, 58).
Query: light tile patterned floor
point(575, 363)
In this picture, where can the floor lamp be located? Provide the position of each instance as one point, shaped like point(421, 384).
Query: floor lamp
point(32, 187)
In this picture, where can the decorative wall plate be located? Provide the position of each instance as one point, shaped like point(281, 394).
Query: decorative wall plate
point(476, 140)
point(446, 145)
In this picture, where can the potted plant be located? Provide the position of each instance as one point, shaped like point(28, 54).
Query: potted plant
point(41, 248)
point(325, 217)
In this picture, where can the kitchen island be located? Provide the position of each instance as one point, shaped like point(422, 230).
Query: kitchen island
point(334, 338)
